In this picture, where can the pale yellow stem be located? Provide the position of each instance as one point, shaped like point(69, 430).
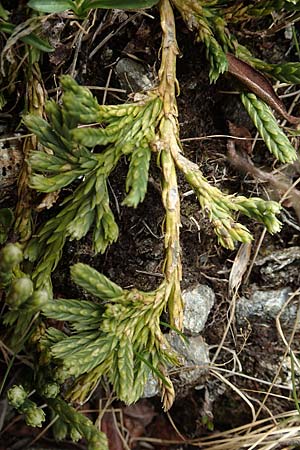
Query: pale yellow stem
point(168, 132)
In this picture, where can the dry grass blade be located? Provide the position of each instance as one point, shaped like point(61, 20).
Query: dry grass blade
point(265, 436)
point(235, 389)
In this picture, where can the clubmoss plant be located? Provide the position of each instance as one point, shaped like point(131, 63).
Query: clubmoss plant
point(130, 321)
point(17, 397)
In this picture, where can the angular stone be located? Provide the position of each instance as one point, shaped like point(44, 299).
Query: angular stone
point(194, 356)
point(197, 305)
point(133, 75)
point(266, 305)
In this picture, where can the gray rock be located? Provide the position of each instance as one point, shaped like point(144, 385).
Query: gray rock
point(11, 158)
point(197, 305)
point(266, 305)
point(194, 357)
point(278, 260)
point(133, 75)
point(151, 387)
point(280, 267)
point(193, 352)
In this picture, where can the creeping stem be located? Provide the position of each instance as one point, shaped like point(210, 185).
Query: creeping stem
point(168, 133)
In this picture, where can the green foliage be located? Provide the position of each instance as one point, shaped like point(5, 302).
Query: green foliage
point(274, 138)
point(4, 14)
point(22, 298)
point(286, 72)
point(120, 338)
point(238, 11)
point(10, 256)
point(82, 7)
point(68, 420)
point(17, 397)
point(95, 283)
point(211, 21)
point(6, 221)
point(20, 317)
point(75, 424)
point(129, 130)
point(261, 7)
point(216, 57)
point(20, 290)
point(137, 178)
point(126, 130)
point(51, 6)
point(220, 208)
point(30, 39)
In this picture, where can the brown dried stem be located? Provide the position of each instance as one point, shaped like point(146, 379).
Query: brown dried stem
point(36, 101)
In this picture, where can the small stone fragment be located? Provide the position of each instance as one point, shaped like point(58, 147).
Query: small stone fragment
point(195, 356)
point(151, 387)
point(280, 267)
point(266, 305)
point(11, 159)
point(193, 352)
point(197, 305)
point(133, 76)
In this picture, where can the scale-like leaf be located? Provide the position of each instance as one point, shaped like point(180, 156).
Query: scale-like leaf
point(137, 177)
point(79, 422)
point(267, 126)
point(125, 371)
point(73, 311)
point(94, 282)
